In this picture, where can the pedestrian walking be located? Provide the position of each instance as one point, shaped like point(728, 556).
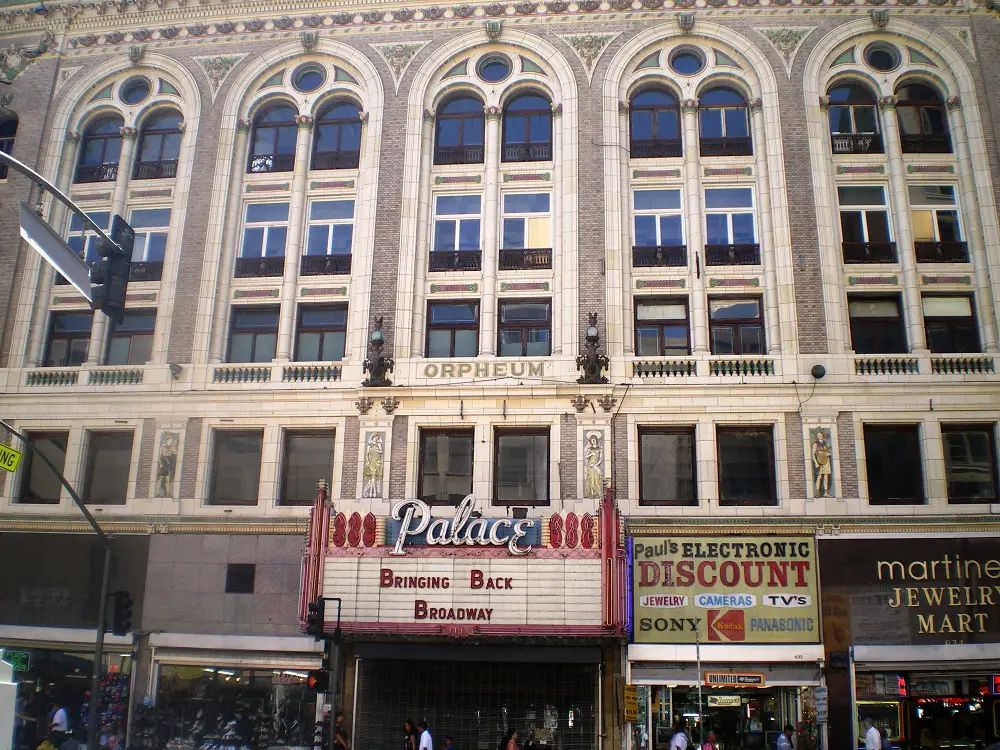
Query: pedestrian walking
point(679, 739)
point(409, 735)
point(340, 736)
point(712, 743)
point(59, 729)
point(784, 741)
point(426, 741)
point(873, 740)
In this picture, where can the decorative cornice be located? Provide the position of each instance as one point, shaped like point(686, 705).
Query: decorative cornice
point(305, 122)
point(689, 106)
point(14, 59)
point(887, 103)
point(145, 525)
point(217, 69)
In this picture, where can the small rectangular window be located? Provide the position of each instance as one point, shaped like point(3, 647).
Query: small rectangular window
point(69, 339)
point(81, 238)
point(457, 222)
point(970, 463)
point(130, 342)
point(446, 462)
point(308, 458)
point(265, 230)
point(661, 328)
point(658, 219)
point(521, 468)
point(668, 470)
point(736, 325)
point(526, 221)
point(109, 459)
point(235, 477)
point(725, 224)
point(321, 334)
point(331, 228)
point(150, 225)
point(240, 578)
point(453, 329)
point(39, 483)
point(892, 456)
point(951, 325)
point(746, 466)
point(253, 334)
point(876, 325)
point(525, 328)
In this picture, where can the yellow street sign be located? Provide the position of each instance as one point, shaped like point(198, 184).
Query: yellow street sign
point(9, 458)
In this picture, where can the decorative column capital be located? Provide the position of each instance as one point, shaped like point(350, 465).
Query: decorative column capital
point(824, 103)
point(181, 126)
point(128, 134)
point(364, 118)
point(428, 116)
point(756, 105)
point(880, 18)
point(72, 138)
point(492, 113)
point(887, 103)
point(623, 107)
point(954, 103)
point(557, 110)
point(689, 106)
point(305, 122)
point(242, 126)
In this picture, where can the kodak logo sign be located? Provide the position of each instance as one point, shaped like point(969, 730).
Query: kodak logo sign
point(726, 625)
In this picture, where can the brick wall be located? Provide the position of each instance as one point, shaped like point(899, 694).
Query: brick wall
point(848, 456)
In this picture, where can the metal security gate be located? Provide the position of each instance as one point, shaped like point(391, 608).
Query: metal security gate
point(552, 706)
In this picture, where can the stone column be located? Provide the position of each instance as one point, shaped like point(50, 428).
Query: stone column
point(913, 310)
point(99, 329)
point(230, 234)
point(972, 226)
point(46, 276)
point(625, 320)
point(424, 212)
point(558, 255)
point(491, 243)
point(294, 245)
point(698, 309)
point(767, 249)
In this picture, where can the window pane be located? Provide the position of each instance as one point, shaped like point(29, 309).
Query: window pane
point(667, 468)
point(472, 131)
point(118, 349)
point(448, 205)
point(661, 311)
point(265, 347)
point(444, 235)
point(510, 343)
point(734, 309)
point(718, 229)
point(446, 468)
point(468, 234)
point(541, 129)
point(171, 147)
point(275, 241)
point(71, 322)
point(513, 234)
point(648, 341)
point(343, 238)
point(334, 343)
point(464, 312)
point(646, 200)
point(751, 340)
point(350, 136)
point(942, 307)
point(933, 118)
point(675, 340)
point(240, 346)
point(518, 312)
point(851, 227)
point(156, 247)
point(947, 223)
point(539, 234)
point(466, 343)
point(711, 123)
point(236, 468)
point(317, 240)
point(923, 225)
point(538, 342)
point(523, 203)
point(932, 195)
point(323, 316)
point(258, 319)
point(671, 232)
point(736, 123)
point(307, 349)
point(439, 343)
point(39, 483)
point(263, 141)
point(865, 120)
point(326, 138)
point(969, 464)
point(666, 124)
point(746, 467)
point(840, 120)
point(877, 308)
point(448, 130)
point(878, 226)
point(893, 461)
point(723, 340)
point(645, 231)
point(149, 217)
point(142, 348)
point(109, 457)
point(253, 243)
point(743, 229)
point(276, 212)
point(642, 125)
point(308, 458)
point(516, 129)
point(909, 120)
point(522, 469)
point(861, 196)
point(286, 140)
point(728, 198)
point(332, 210)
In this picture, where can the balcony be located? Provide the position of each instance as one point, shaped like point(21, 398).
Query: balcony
point(336, 160)
point(145, 271)
point(664, 256)
point(325, 265)
point(886, 366)
point(856, 143)
point(869, 252)
point(459, 260)
point(96, 173)
point(527, 152)
point(448, 155)
point(265, 163)
point(155, 170)
point(525, 259)
point(732, 255)
point(726, 147)
point(664, 148)
point(941, 252)
point(925, 144)
point(258, 268)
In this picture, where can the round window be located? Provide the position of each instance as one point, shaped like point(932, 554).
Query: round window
point(494, 68)
point(687, 61)
point(308, 78)
point(882, 57)
point(135, 91)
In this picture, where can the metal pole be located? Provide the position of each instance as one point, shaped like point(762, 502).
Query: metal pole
point(95, 677)
point(701, 714)
point(333, 655)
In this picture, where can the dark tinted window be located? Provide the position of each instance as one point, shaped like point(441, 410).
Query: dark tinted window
point(667, 468)
point(445, 466)
point(746, 466)
point(521, 475)
point(876, 325)
point(109, 458)
point(308, 458)
point(39, 484)
point(236, 467)
point(240, 578)
point(970, 463)
point(892, 455)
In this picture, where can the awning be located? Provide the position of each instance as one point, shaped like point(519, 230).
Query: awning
point(781, 665)
point(964, 656)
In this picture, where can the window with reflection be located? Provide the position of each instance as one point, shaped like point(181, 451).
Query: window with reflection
point(892, 458)
point(321, 334)
point(654, 125)
point(661, 328)
point(461, 131)
point(730, 238)
point(746, 466)
point(308, 456)
point(668, 471)
point(446, 461)
point(525, 329)
point(337, 137)
point(876, 325)
point(130, 341)
point(658, 222)
point(159, 147)
point(937, 236)
point(151, 227)
point(329, 238)
point(521, 467)
point(253, 334)
point(109, 459)
point(265, 231)
point(527, 129)
point(950, 324)
point(970, 463)
point(8, 129)
point(453, 329)
point(736, 325)
point(100, 150)
point(273, 141)
point(725, 127)
point(235, 472)
point(853, 115)
point(69, 339)
point(923, 121)
point(864, 224)
point(40, 484)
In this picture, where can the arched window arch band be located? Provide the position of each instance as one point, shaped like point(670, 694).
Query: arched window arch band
point(159, 147)
point(100, 150)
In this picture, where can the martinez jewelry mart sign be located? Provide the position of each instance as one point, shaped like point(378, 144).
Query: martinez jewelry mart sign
point(742, 589)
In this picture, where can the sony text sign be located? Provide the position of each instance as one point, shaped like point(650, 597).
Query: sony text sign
point(724, 590)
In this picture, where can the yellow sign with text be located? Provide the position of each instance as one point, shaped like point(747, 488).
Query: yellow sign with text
point(9, 458)
point(631, 704)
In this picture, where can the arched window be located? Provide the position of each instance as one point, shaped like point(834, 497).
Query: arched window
point(273, 141)
point(8, 129)
point(461, 126)
point(159, 147)
point(725, 129)
point(923, 123)
point(854, 120)
point(527, 129)
point(337, 141)
point(100, 150)
point(654, 125)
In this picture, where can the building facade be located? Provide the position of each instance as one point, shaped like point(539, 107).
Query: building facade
point(377, 245)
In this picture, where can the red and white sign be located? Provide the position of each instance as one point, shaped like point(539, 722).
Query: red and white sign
point(726, 625)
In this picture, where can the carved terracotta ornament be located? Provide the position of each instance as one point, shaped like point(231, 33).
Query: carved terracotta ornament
point(689, 105)
point(304, 121)
point(888, 102)
point(492, 113)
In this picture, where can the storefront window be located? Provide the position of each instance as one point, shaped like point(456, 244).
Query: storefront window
point(223, 707)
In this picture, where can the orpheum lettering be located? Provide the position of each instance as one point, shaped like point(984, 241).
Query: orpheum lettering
point(390, 581)
point(423, 611)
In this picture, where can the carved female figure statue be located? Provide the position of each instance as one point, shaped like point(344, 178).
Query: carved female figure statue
point(372, 473)
point(822, 463)
point(593, 481)
point(166, 465)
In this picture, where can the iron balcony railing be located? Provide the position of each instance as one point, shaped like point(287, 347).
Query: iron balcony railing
point(155, 170)
point(726, 147)
point(856, 143)
point(249, 268)
point(525, 259)
point(925, 144)
point(325, 265)
point(941, 252)
point(457, 260)
point(145, 271)
point(732, 255)
point(336, 159)
point(869, 252)
point(459, 155)
point(264, 163)
point(96, 173)
point(660, 148)
point(527, 152)
point(663, 256)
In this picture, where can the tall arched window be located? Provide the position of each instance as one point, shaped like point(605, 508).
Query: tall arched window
point(527, 129)
point(337, 140)
point(725, 128)
point(100, 150)
point(8, 129)
point(461, 126)
point(654, 125)
point(854, 127)
point(273, 141)
point(159, 147)
point(923, 123)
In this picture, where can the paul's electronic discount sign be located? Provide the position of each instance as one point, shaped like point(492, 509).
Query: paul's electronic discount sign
point(724, 590)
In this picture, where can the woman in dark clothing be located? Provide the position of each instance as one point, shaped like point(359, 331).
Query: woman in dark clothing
point(409, 735)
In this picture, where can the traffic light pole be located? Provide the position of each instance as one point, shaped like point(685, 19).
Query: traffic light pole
point(102, 603)
point(333, 656)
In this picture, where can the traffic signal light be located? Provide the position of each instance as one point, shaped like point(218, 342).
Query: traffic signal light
point(318, 680)
point(315, 618)
point(109, 275)
point(121, 618)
